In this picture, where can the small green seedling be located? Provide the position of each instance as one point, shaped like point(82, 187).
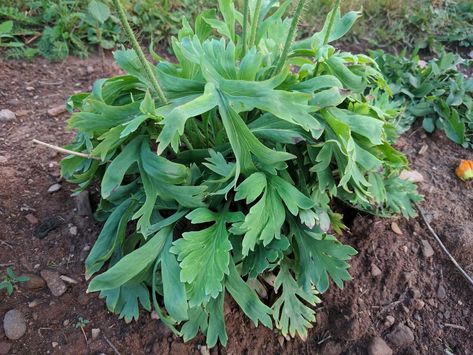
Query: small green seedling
point(81, 322)
point(10, 280)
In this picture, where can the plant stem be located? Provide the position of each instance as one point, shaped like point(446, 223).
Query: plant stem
point(290, 37)
point(254, 24)
point(134, 42)
point(329, 30)
point(246, 10)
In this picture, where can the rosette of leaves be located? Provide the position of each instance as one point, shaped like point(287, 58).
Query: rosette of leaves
point(217, 170)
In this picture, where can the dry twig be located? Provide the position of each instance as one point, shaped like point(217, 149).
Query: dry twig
point(111, 345)
point(65, 151)
point(444, 248)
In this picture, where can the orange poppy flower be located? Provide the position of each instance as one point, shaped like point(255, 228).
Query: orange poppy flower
point(465, 170)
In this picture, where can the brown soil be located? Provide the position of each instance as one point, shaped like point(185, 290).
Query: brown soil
point(426, 294)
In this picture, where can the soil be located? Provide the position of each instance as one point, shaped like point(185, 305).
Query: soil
point(427, 294)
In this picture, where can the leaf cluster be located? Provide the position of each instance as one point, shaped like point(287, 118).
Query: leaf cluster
point(226, 187)
point(10, 280)
point(436, 91)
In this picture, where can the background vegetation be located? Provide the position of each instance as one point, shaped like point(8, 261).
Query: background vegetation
point(57, 28)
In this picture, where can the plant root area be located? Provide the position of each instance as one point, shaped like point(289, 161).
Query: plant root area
point(404, 289)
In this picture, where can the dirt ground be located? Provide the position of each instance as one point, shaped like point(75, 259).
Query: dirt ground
point(424, 293)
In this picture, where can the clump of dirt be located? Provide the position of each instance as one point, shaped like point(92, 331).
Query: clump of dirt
point(415, 301)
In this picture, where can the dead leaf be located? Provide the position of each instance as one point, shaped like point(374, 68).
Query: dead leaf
point(412, 176)
point(395, 228)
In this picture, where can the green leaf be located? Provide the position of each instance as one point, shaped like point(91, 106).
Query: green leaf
point(290, 312)
point(198, 320)
point(110, 237)
point(6, 27)
point(207, 249)
point(247, 298)
point(99, 11)
point(174, 291)
point(216, 329)
point(321, 255)
point(131, 264)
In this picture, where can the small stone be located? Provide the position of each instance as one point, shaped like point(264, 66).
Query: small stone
point(427, 250)
point(4, 347)
point(14, 324)
point(412, 176)
point(395, 228)
point(73, 231)
point(204, 350)
point(418, 304)
point(401, 335)
point(389, 321)
point(21, 113)
point(411, 324)
point(3, 159)
point(66, 322)
point(281, 341)
point(32, 219)
point(378, 346)
point(375, 270)
point(56, 111)
point(154, 315)
point(54, 344)
point(29, 88)
point(55, 284)
point(424, 149)
point(68, 279)
point(90, 69)
point(54, 188)
point(7, 115)
point(35, 282)
point(441, 292)
point(33, 303)
point(83, 204)
point(95, 333)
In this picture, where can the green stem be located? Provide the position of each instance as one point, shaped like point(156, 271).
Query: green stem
point(329, 29)
point(290, 37)
point(254, 24)
point(246, 10)
point(139, 52)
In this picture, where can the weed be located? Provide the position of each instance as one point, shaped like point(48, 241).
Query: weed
point(10, 280)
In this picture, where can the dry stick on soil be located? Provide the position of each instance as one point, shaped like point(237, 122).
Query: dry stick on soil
point(111, 345)
point(65, 151)
point(463, 272)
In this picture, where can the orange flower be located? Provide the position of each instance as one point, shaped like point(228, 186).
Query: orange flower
point(465, 170)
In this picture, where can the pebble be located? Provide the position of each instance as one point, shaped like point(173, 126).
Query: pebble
point(54, 188)
point(401, 335)
point(395, 228)
point(35, 282)
point(54, 344)
point(73, 231)
point(7, 115)
point(4, 347)
point(412, 176)
point(56, 111)
point(204, 350)
point(375, 270)
point(29, 88)
point(14, 324)
point(65, 323)
point(90, 69)
point(83, 204)
point(33, 303)
point(389, 321)
point(55, 284)
point(427, 250)
point(21, 113)
point(378, 346)
point(441, 292)
point(32, 219)
point(95, 333)
point(418, 304)
point(68, 279)
point(3, 159)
